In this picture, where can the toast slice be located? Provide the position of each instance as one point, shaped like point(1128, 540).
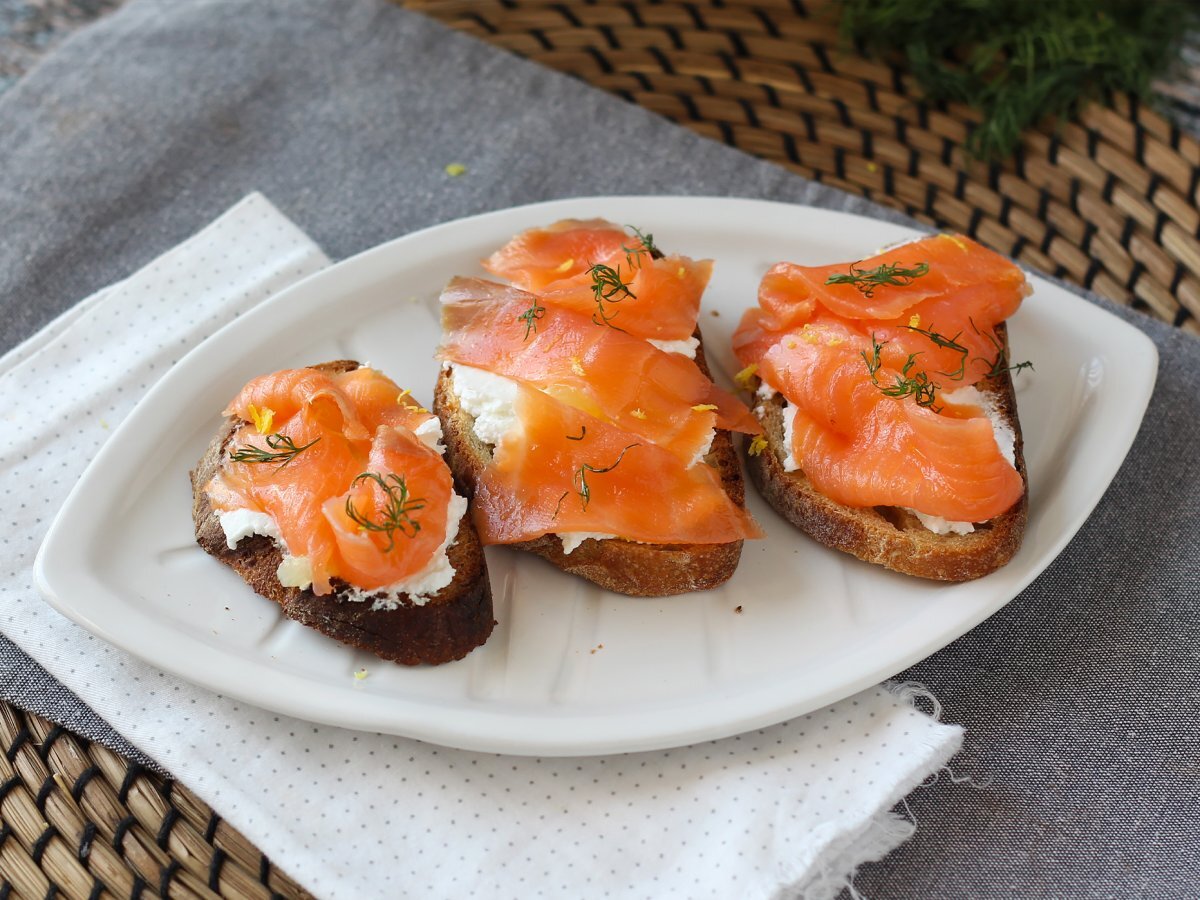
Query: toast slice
point(891, 536)
point(627, 567)
point(446, 626)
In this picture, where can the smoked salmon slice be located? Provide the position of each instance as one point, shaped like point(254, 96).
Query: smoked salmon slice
point(593, 340)
point(562, 470)
point(333, 460)
point(863, 448)
point(597, 269)
point(891, 283)
point(963, 293)
point(865, 353)
point(537, 258)
point(661, 397)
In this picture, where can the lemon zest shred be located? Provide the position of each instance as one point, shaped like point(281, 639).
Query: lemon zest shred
point(411, 407)
point(956, 240)
point(743, 377)
point(704, 407)
point(914, 322)
point(757, 445)
point(566, 265)
point(637, 413)
point(360, 674)
point(455, 169)
point(834, 341)
point(263, 418)
point(681, 272)
point(577, 366)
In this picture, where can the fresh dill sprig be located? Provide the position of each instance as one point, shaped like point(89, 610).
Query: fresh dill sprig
point(867, 280)
point(531, 316)
point(918, 385)
point(950, 344)
point(580, 483)
point(396, 514)
point(1019, 62)
point(282, 450)
point(645, 244)
point(606, 286)
point(1000, 364)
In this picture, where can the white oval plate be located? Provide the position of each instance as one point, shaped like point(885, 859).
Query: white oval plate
point(570, 669)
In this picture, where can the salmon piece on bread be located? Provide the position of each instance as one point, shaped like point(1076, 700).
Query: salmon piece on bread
point(661, 297)
point(582, 416)
point(886, 396)
point(641, 569)
point(355, 527)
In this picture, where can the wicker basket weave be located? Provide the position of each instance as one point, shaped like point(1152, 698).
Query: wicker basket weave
point(79, 820)
point(1108, 201)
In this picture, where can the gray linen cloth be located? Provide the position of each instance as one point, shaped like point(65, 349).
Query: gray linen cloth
point(1080, 698)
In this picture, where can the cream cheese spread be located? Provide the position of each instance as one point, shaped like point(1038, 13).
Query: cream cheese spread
point(686, 347)
point(244, 523)
point(490, 398)
point(296, 571)
point(429, 433)
point(789, 422)
point(938, 525)
point(571, 540)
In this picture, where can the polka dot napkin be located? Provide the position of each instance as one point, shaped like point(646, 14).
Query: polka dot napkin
point(784, 811)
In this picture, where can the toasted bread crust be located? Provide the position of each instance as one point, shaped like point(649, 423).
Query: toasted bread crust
point(450, 624)
point(890, 536)
point(626, 567)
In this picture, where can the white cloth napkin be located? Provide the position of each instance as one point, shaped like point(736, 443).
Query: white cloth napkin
point(784, 811)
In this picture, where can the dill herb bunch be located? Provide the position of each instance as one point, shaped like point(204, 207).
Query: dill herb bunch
point(1019, 62)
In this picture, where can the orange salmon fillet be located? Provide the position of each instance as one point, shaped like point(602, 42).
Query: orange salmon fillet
point(565, 471)
point(348, 424)
point(863, 448)
point(662, 300)
point(662, 397)
point(813, 341)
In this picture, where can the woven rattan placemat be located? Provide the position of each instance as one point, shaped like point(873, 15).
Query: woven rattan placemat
point(1108, 202)
point(81, 819)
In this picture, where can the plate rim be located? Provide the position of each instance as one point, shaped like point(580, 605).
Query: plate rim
point(566, 736)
